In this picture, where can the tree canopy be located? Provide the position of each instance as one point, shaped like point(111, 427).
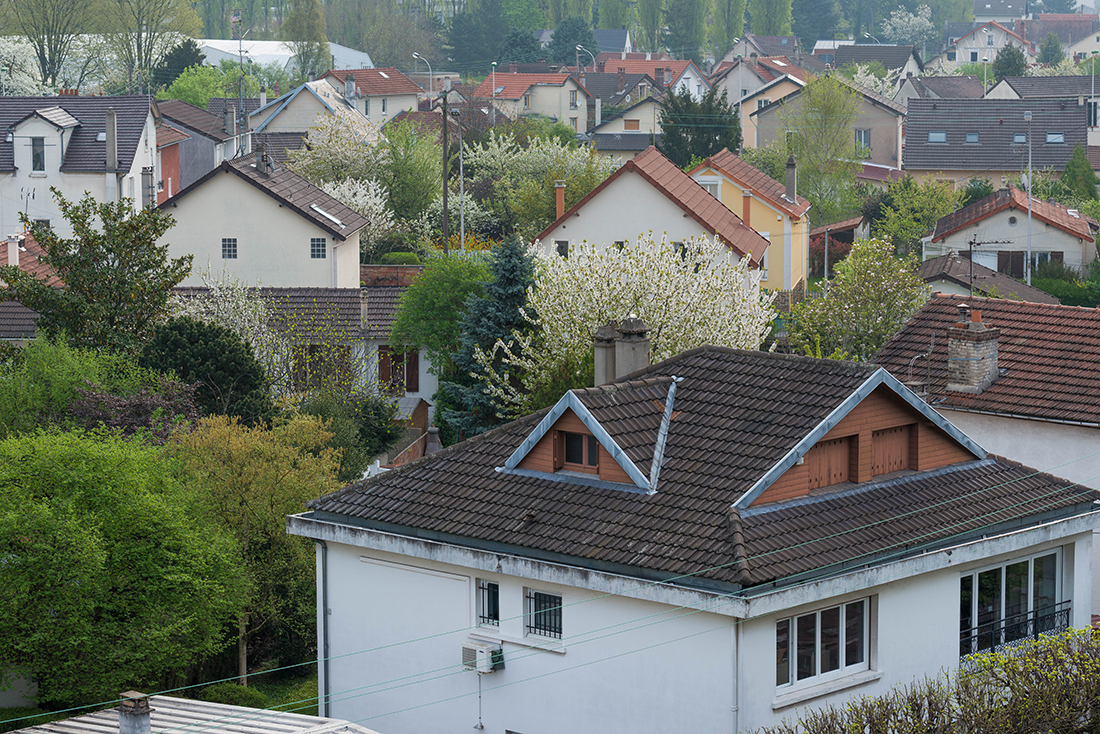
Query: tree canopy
point(304, 30)
point(770, 17)
point(1050, 50)
point(520, 46)
point(698, 128)
point(568, 34)
point(1079, 177)
point(1010, 61)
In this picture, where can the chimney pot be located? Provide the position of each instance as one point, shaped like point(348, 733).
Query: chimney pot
point(432, 444)
point(604, 348)
point(792, 180)
point(559, 192)
point(134, 713)
point(632, 347)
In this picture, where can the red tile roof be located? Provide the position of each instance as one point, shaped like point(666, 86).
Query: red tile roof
point(168, 135)
point(1077, 224)
point(847, 224)
point(780, 65)
point(666, 177)
point(655, 68)
point(514, 86)
point(1049, 357)
point(30, 254)
point(761, 184)
point(374, 82)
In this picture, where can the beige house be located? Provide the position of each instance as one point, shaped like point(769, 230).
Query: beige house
point(379, 94)
point(983, 43)
point(878, 128)
point(299, 109)
point(260, 225)
point(558, 96)
point(774, 91)
point(767, 206)
point(630, 132)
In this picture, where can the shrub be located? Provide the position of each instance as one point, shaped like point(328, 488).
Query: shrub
point(1070, 293)
point(233, 694)
point(1054, 270)
point(399, 258)
point(362, 426)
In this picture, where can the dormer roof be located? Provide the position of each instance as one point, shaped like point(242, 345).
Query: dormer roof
point(55, 115)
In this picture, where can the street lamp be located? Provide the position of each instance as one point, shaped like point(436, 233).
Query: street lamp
point(868, 35)
point(1092, 102)
point(494, 119)
point(985, 74)
point(582, 48)
point(741, 98)
point(1027, 265)
point(418, 56)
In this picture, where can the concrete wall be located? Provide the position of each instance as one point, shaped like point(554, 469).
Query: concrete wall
point(647, 115)
point(273, 243)
point(394, 104)
point(749, 132)
point(553, 101)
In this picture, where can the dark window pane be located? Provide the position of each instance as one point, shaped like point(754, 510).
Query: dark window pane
point(830, 639)
point(1045, 583)
point(806, 661)
point(38, 154)
point(574, 448)
point(490, 603)
point(966, 612)
point(1016, 600)
point(593, 450)
point(853, 632)
point(783, 652)
point(989, 608)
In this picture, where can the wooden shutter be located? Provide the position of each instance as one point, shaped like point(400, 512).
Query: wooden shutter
point(559, 449)
point(412, 371)
point(1058, 257)
point(385, 370)
point(1017, 269)
point(1004, 262)
point(827, 463)
point(889, 450)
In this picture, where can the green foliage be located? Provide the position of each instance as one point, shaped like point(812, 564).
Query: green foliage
point(231, 381)
point(520, 46)
point(910, 210)
point(234, 694)
point(183, 55)
point(570, 32)
point(117, 278)
point(770, 17)
point(873, 67)
point(770, 159)
point(976, 190)
point(532, 202)
point(815, 20)
point(613, 14)
point(698, 128)
point(304, 30)
point(1050, 50)
point(687, 29)
point(730, 25)
point(430, 313)
point(1078, 175)
point(872, 295)
point(110, 582)
point(414, 173)
point(651, 22)
point(524, 15)
point(490, 317)
point(475, 35)
point(399, 258)
point(197, 83)
point(362, 427)
point(1010, 61)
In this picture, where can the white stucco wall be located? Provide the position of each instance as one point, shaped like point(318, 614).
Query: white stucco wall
point(997, 228)
point(273, 242)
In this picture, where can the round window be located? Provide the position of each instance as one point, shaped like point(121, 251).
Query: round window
point(1012, 221)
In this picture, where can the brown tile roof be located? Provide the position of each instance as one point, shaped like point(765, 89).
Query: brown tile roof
point(666, 177)
point(987, 281)
point(311, 315)
point(844, 226)
point(1049, 357)
point(761, 184)
point(1057, 215)
point(292, 191)
point(780, 65)
point(16, 320)
point(168, 135)
point(655, 69)
point(380, 310)
point(195, 119)
point(376, 82)
point(280, 145)
point(30, 261)
point(737, 414)
point(514, 86)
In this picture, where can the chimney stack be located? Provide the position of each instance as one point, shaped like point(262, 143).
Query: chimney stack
point(432, 444)
point(971, 354)
point(134, 714)
point(262, 162)
point(559, 191)
point(263, 96)
point(599, 111)
point(13, 249)
point(632, 347)
point(600, 67)
point(604, 347)
point(792, 180)
point(621, 79)
point(349, 86)
point(112, 140)
point(668, 76)
point(231, 119)
point(512, 67)
point(746, 207)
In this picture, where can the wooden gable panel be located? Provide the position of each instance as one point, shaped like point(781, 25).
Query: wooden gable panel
point(548, 453)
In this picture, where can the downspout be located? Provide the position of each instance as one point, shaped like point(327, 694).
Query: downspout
point(322, 628)
point(738, 671)
point(334, 246)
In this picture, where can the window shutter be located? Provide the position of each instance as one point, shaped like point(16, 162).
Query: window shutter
point(384, 370)
point(412, 371)
point(559, 450)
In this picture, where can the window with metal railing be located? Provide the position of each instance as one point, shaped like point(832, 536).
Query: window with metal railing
point(543, 614)
point(488, 603)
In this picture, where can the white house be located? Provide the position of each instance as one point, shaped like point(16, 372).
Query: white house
point(301, 108)
point(277, 52)
point(709, 544)
point(379, 94)
point(106, 146)
point(984, 43)
point(558, 96)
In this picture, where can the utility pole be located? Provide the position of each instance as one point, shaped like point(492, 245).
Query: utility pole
point(1027, 265)
point(446, 167)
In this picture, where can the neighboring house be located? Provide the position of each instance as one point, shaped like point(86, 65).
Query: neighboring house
point(667, 74)
point(279, 146)
point(985, 42)
point(17, 322)
point(612, 91)
point(899, 61)
point(301, 108)
point(999, 226)
point(955, 140)
point(1002, 11)
point(260, 223)
point(212, 139)
point(612, 40)
point(764, 204)
point(379, 94)
point(277, 52)
point(1070, 28)
point(218, 105)
point(847, 231)
point(826, 49)
point(651, 194)
point(631, 131)
point(1071, 90)
point(1034, 399)
point(558, 96)
point(774, 91)
point(105, 146)
point(168, 160)
point(878, 176)
point(714, 543)
point(953, 275)
point(1081, 48)
point(939, 87)
point(407, 375)
point(607, 58)
point(877, 129)
point(760, 79)
point(750, 44)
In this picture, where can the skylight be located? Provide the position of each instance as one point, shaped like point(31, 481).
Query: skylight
point(384, 75)
point(326, 215)
point(779, 63)
point(499, 90)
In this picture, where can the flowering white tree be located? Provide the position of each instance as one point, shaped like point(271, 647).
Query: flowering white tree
point(19, 74)
point(688, 294)
point(340, 147)
point(501, 157)
point(883, 86)
point(369, 198)
point(916, 28)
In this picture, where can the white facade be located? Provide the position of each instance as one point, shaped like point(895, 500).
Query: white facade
point(985, 43)
point(273, 243)
point(1010, 226)
point(634, 655)
point(27, 190)
point(278, 52)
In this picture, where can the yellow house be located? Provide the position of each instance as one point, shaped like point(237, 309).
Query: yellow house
point(765, 205)
point(773, 91)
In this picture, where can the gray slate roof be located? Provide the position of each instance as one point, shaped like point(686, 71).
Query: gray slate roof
point(16, 321)
point(1050, 87)
point(605, 86)
point(309, 315)
point(737, 413)
point(624, 141)
point(1005, 8)
point(217, 105)
point(947, 87)
point(891, 56)
point(958, 270)
point(279, 145)
point(611, 40)
point(995, 121)
point(84, 153)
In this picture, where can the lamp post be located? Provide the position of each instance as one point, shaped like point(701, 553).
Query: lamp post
point(494, 118)
point(582, 48)
point(868, 35)
point(461, 182)
point(741, 97)
point(1092, 101)
point(985, 74)
point(418, 56)
point(446, 168)
point(1027, 265)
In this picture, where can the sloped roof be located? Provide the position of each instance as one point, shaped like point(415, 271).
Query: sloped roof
point(376, 82)
point(654, 99)
point(1068, 220)
point(869, 95)
point(773, 45)
point(679, 188)
point(845, 226)
point(195, 119)
point(605, 142)
point(889, 55)
point(611, 39)
point(292, 191)
point(655, 68)
point(947, 87)
point(310, 315)
point(1008, 31)
point(330, 98)
point(1009, 8)
point(16, 320)
point(84, 152)
point(217, 105)
point(279, 145)
point(1049, 357)
point(996, 121)
point(738, 415)
point(514, 86)
point(987, 281)
point(608, 57)
point(1050, 87)
point(168, 135)
point(381, 309)
point(761, 184)
point(605, 85)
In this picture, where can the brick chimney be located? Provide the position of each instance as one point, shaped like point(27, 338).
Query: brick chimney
point(620, 80)
point(512, 67)
point(791, 193)
point(971, 354)
point(134, 714)
point(559, 193)
point(632, 347)
point(746, 207)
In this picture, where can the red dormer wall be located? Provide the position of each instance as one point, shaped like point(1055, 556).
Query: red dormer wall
point(541, 457)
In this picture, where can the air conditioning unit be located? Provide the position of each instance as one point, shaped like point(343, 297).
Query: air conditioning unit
point(482, 658)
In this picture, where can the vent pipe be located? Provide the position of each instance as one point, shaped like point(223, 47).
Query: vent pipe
point(134, 714)
point(112, 140)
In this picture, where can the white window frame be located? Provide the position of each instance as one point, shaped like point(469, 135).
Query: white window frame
point(1056, 138)
point(843, 671)
point(1059, 585)
point(938, 139)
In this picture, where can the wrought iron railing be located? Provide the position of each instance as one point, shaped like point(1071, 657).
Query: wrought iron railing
point(1004, 633)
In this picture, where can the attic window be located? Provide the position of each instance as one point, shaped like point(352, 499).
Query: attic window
point(972, 137)
point(937, 136)
point(1019, 138)
point(101, 136)
point(499, 90)
point(780, 63)
point(384, 75)
point(1056, 138)
point(783, 42)
point(580, 452)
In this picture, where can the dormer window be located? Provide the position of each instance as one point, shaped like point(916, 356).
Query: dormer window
point(38, 155)
point(580, 452)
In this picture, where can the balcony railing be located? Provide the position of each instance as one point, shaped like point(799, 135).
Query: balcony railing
point(1005, 633)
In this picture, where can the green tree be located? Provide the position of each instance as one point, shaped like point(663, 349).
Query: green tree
point(1078, 175)
point(1010, 61)
point(976, 190)
point(363, 425)
point(651, 22)
point(912, 209)
point(180, 57)
point(729, 26)
point(568, 34)
point(613, 14)
point(524, 15)
point(430, 313)
point(1050, 50)
point(197, 84)
point(816, 20)
point(99, 539)
point(770, 17)
point(698, 127)
point(51, 27)
point(231, 381)
point(872, 295)
point(117, 278)
point(466, 409)
point(687, 28)
point(304, 30)
point(413, 172)
point(520, 46)
point(339, 149)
